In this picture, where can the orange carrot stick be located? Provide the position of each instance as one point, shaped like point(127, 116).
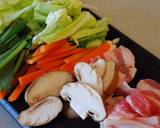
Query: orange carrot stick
point(49, 64)
point(55, 45)
point(2, 94)
point(36, 58)
point(19, 89)
point(37, 52)
point(63, 50)
point(96, 52)
point(60, 56)
point(68, 68)
point(16, 93)
point(76, 57)
point(28, 78)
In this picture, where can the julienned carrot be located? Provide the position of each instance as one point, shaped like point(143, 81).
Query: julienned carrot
point(55, 68)
point(76, 57)
point(52, 63)
point(47, 47)
point(16, 93)
point(25, 70)
point(19, 89)
point(65, 67)
point(36, 58)
point(2, 94)
point(52, 46)
point(28, 78)
point(61, 56)
point(37, 52)
point(96, 52)
point(63, 50)
point(31, 68)
point(20, 73)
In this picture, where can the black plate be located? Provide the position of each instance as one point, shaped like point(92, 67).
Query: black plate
point(148, 66)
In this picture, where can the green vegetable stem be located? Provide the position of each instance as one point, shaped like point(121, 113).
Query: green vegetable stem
point(10, 54)
point(17, 26)
point(19, 61)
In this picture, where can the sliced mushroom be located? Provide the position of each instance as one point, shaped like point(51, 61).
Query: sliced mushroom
point(42, 112)
point(85, 73)
point(84, 100)
point(99, 65)
point(49, 84)
point(109, 74)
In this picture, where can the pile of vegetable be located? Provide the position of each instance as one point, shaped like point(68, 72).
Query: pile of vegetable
point(26, 24)
point(52, 49)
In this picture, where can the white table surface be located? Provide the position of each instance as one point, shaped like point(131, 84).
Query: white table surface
point(138, 19)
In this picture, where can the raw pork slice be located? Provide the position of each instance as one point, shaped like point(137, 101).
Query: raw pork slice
point(122, 110)
point(109, 123)
point(125, 59)
point(124, 89)
point(139, 103)
point(149, 84)
point(153, 121)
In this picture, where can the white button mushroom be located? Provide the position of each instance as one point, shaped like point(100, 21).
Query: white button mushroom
point(85, 73)
point(99, 65)
point(84, 100)
point(49, 84)
point(41, 112)
point(109, 74)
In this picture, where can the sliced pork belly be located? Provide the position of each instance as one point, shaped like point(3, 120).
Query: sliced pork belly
point(149, 93)
point(122, 110)
point(111, 102)
point(125, 59)
point(121, 55)
point(128, 57)
point(153, 120)
point(150, 85)
point(155, 102)
point(123, 123)
point(139, 103)
point(124, 89)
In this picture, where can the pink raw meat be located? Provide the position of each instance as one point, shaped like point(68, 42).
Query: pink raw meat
point(123, 123)
point(128, 57)
point(153, 121)
point(139, 103)
point(124, 89)
point(155, 105)
point(125, 59)
point(122, 110)
point(150, 85)
point(110, 103)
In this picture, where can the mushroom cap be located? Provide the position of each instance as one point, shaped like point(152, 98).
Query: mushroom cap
point(49, 84)
point(108, 74)
point(99, 65)
point(85, 73)
point(84, 100)
point(41, 112)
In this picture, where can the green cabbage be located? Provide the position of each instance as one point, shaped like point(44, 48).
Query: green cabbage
point(60, 26)
point(12, 9)
point(101, 27)
point(42, 8)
